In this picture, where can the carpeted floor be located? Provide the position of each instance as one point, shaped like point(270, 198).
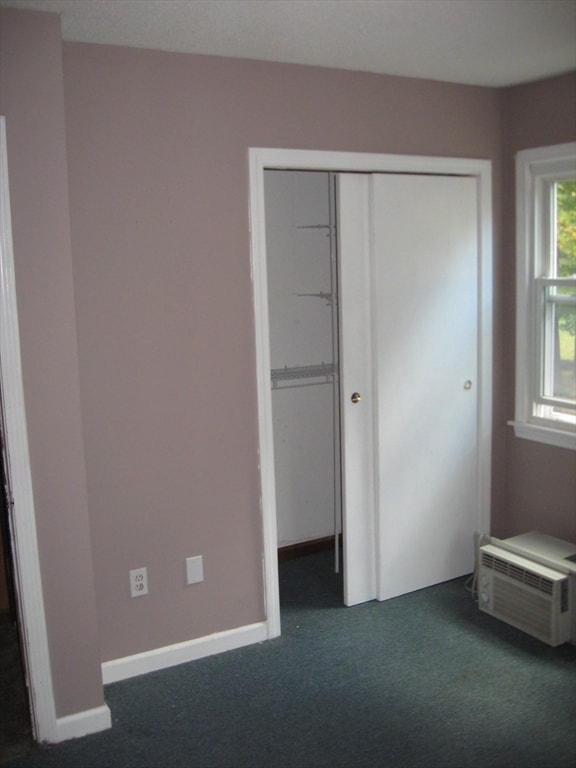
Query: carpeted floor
point(15, 729)
point(422, 681)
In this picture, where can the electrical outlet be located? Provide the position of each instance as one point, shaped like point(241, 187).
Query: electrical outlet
point(138, 582)
point(194, 569)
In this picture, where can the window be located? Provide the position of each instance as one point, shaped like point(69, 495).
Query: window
point(546, 295)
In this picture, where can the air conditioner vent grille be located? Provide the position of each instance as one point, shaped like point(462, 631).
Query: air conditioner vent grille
point(516, 572)
point(527, 610)
point(564, 596)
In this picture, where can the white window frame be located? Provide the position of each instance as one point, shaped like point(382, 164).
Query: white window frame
point(536, 171)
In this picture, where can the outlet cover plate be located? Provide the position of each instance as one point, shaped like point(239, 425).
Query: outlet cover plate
point(194, 569)
point(138, 582)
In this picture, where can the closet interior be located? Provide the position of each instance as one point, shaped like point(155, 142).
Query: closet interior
point(303, 321)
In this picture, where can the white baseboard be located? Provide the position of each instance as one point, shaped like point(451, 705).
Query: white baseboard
point(83, 723)
point(190, 650)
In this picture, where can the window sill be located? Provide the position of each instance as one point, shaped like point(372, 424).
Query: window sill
point(547, 435)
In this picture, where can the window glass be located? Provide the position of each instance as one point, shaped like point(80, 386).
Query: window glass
point(559, 343)
point(563, 298)
point(565, 229)
point(545, 407)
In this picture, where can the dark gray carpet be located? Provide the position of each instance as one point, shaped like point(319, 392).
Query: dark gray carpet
point(15, 729)
point(422, 681)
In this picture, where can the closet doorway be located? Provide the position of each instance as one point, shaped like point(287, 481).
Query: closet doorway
point(402, 404)
point(303, 322)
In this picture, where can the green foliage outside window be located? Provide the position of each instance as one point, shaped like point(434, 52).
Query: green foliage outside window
point(566, 227)
point(566, 264)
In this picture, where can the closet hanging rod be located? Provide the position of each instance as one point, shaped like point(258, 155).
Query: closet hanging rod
point(328, 297)
point(278, 385)
point(303, 371)
point(325, 373)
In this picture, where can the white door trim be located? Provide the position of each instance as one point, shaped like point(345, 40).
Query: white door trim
point(306, 160)
point(27, 577)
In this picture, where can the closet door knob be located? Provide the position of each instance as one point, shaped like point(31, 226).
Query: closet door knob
point(356, 397)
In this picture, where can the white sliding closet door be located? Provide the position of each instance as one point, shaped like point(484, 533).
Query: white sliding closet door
point(409, 261)
point(425, 231)
point(356, 378)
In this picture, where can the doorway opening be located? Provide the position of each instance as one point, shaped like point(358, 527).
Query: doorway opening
point(302, 270)
point(15, 722)
point(365, 508)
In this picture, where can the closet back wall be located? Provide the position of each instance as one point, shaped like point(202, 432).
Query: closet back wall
point(300, 255)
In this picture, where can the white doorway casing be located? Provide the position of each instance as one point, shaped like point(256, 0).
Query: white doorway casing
point(367, 550)
point(27, 577)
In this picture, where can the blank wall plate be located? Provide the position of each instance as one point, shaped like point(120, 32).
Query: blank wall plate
point(194, 569)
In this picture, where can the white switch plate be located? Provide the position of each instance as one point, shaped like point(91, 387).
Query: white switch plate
point(194, 569)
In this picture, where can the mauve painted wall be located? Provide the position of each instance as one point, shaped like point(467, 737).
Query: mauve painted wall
point(31, 94)
point(540, 480)
point(158, 169)
point(158, 178)
point(157, 159)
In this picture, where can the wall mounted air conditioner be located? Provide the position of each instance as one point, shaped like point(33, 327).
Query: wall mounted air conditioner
point(535, 598)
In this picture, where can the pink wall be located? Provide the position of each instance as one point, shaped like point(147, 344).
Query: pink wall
point(158, 150)
point(540, 480)
point(32, 100)
point(161, 307)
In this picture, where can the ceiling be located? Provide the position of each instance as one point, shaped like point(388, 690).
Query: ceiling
point(477, 42)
